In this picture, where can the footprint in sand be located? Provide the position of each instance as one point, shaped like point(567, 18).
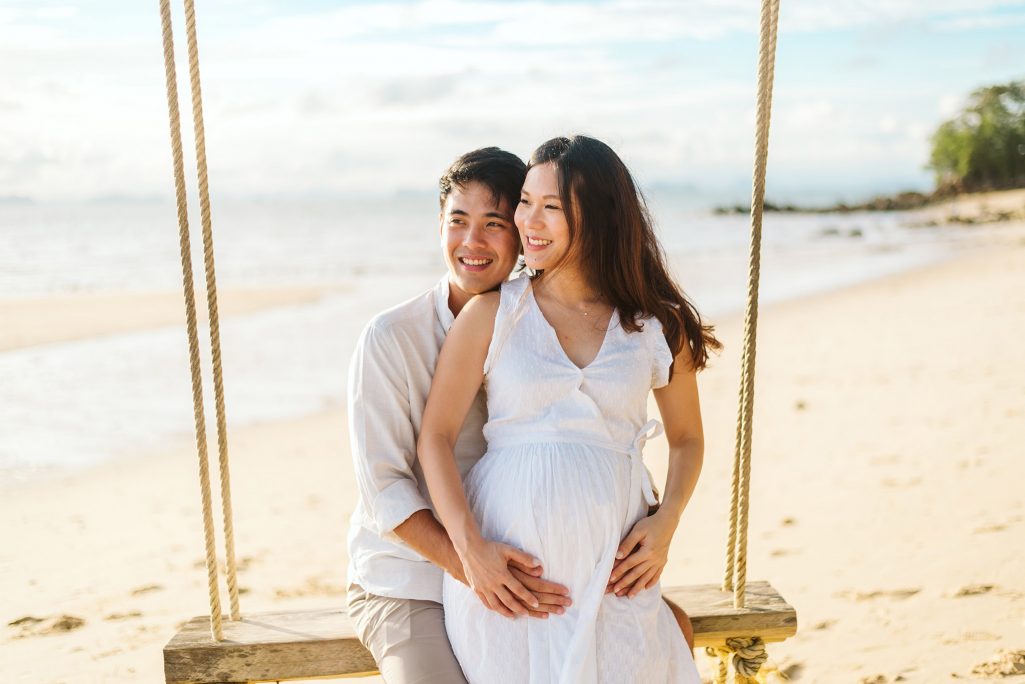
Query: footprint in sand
point(897, 594)
point(997, 527)
point(1003, 664)
point(972, 636)
point(792, 671)
point(973, 590)
point(149, 588)
point(882, 679)
point(118, 617)
point(31, 626)
point(825, 624)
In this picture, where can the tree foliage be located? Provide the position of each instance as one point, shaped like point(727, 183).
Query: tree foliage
point(983, 147)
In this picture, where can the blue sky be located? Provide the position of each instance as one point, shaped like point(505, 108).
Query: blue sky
point(371, 98)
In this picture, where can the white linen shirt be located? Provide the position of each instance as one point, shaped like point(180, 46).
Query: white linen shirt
point(389, 378)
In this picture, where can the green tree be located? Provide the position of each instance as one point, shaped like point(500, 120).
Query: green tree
point(983, 147)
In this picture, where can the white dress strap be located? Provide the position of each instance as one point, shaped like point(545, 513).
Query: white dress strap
point(510, 310)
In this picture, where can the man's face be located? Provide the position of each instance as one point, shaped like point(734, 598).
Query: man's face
point(480, 242)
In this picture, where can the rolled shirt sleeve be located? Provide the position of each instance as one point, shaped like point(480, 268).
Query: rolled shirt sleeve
point(382, 439)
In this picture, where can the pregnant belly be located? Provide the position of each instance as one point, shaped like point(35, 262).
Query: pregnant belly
point(566, 504)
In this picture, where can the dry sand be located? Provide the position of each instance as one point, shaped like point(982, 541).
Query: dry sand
point(887, 504)
point(979, 207)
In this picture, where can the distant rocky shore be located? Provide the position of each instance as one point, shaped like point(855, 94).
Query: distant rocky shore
point(900, 202)
point(940, 208)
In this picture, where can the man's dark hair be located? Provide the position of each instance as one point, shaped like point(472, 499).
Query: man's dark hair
point(499, 171)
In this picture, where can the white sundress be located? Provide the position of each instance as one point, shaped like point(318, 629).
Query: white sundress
point(564, 481)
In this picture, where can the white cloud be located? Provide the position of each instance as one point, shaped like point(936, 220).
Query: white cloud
point(950, 105)
point(373, 96)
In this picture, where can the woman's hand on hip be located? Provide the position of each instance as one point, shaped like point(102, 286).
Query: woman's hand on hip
point(642, 555)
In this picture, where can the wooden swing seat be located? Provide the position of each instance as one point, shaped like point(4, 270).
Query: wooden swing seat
point(310, 644)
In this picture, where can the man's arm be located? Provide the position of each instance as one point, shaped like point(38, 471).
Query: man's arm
point(424, 534)
point(381, 436)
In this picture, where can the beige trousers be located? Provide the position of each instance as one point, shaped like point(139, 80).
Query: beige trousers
point(406, 637)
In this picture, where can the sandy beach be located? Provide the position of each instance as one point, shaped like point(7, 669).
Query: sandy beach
point(887, 502)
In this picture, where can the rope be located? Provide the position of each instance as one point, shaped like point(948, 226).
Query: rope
point(190, 317)
point(735, 577)
point(211, 300)
point(748, 656)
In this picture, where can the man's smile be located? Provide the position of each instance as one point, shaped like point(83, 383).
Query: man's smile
point(475, 263)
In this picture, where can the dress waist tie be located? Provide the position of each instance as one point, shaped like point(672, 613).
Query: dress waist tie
point(640, 478)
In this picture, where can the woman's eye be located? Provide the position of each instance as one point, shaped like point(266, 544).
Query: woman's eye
point(552, 206)
point(523, 200)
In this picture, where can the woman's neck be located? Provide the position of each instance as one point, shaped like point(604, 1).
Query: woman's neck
point(569, 286)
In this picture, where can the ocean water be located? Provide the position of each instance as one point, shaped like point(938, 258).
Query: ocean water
point(70, 405)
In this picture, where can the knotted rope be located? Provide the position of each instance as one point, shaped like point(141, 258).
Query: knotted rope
point(748, 655)
point(190, 312)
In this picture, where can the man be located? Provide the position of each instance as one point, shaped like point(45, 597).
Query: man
point(398, 550)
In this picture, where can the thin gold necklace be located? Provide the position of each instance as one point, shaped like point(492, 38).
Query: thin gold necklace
point(555, 299)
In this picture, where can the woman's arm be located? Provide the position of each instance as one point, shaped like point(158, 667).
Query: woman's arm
point(644, 552)
point(457, 379)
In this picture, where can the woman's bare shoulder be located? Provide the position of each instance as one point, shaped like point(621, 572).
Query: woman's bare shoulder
point(477, 319)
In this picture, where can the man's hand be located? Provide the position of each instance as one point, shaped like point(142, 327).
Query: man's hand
point(551, 597)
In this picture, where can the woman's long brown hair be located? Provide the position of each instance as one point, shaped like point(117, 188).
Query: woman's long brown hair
point(611, 233)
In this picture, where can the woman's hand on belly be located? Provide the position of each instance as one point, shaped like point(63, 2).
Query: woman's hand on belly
point(642, 556)
point(486, 564)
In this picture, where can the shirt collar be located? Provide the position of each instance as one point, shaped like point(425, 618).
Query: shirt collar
point(441, 292)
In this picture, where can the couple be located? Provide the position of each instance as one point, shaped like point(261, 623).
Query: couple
point(515, 411)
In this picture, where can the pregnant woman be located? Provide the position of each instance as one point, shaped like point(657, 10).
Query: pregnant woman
point(568, 357)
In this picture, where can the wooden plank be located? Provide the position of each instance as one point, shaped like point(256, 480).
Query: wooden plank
point(320, 643)
point(268, 647)
point(714, 618)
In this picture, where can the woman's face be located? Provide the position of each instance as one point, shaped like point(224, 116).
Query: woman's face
point(541, 220)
